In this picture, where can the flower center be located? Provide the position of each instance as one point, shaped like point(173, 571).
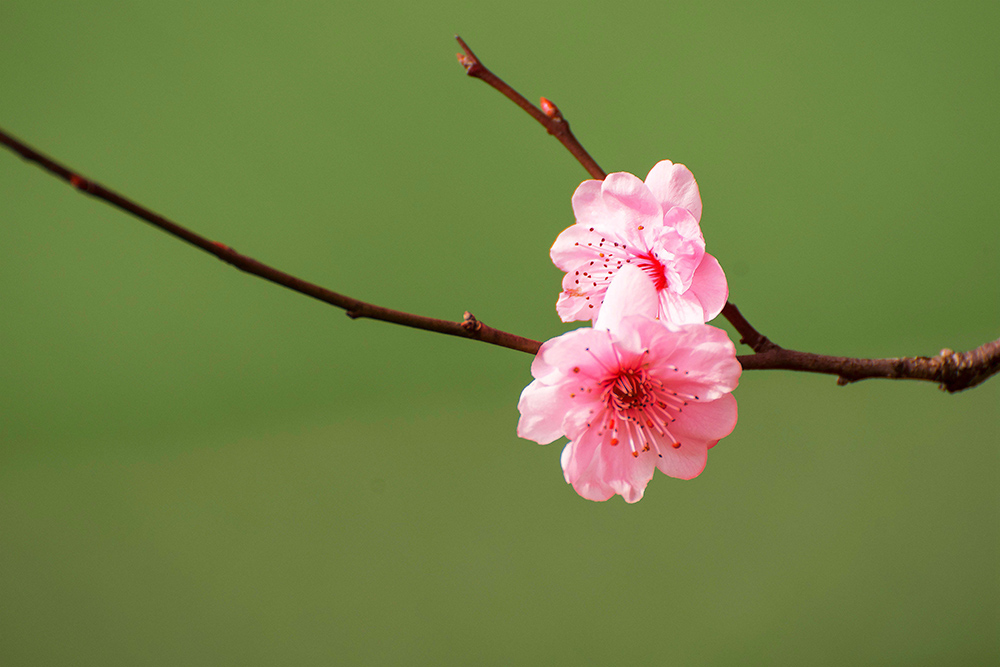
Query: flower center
point(629, 391)
point(654, 268)
point(641, 410)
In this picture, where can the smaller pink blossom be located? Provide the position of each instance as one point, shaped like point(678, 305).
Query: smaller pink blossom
point(652, 224)
point(633, 394)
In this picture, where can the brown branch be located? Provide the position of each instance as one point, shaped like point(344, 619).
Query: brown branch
point(953, 371)
point(749, 335)
point(550, 119)
point(354, 308)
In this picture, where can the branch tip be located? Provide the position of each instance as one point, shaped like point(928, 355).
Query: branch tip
point(953, 371)
point(549, 116)
point(467, 59)
point(353, 307)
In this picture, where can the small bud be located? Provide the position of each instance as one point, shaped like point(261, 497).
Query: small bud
point(470, 323)
point(550, 109)
point(468, 62)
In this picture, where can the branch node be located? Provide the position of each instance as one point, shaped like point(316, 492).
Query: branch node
point(353, 314)
point(470, 323)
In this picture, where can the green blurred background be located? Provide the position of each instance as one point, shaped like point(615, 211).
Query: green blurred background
point(200, 468)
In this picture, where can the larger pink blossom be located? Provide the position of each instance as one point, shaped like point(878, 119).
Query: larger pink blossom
point(633, 394)
point(652, 224)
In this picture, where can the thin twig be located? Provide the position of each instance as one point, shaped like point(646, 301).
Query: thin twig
point(354, 308)
point(749, 336)
point(953, 371)
point(552, 121)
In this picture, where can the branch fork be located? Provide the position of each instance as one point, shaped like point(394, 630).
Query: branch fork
point(953, 371)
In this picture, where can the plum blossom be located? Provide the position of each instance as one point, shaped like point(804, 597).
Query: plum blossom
point(632, 394)
point(651, 224)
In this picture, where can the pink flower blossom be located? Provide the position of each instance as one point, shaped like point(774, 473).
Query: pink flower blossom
point(632, 394)
point(653, 225)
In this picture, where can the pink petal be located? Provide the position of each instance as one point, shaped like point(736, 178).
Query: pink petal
point(588, 204)
point(636, 335)
point(593, 489)
point(589, 258)
point(680, 272)
point(623, 202)
point(657, 338)
point(680, 308)
point(710, 287)
point(631, 292)
point(685, 462)
point(705, 355)
point(679, 255)
point(597, 470)
point(585, 349)
point(674, 185)
point(628, 475)
point(686, 225)
point(570, 249)
point(571, 306)
point(586, 413)
point(626, 194)
point(705, 423)
point(578, 456)
point(542, 408)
